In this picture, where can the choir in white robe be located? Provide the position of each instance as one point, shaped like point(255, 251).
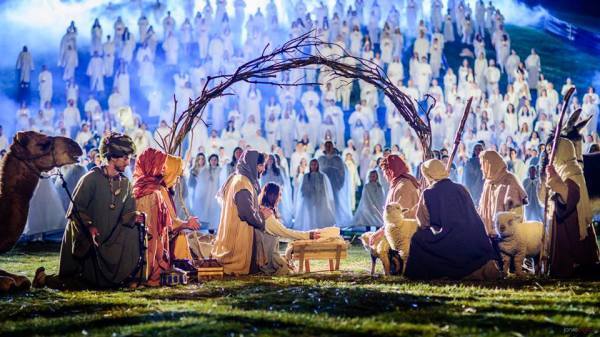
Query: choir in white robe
point(95, 71)
point(25, 66)
point(45, 86)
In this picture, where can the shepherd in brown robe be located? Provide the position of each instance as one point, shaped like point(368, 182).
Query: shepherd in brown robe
point(573, 245)
point(502, 191)
point(404, 189)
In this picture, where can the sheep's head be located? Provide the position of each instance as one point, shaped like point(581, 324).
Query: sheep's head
point(394, 213)
point(364, 239)
point(505, 223)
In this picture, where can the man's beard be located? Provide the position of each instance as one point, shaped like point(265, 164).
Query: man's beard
point(120, 168)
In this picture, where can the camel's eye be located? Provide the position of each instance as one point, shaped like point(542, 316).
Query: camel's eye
point(45, 146)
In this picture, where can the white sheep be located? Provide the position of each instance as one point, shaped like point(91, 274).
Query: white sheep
point(518, 240)
point(398, 233)
point(379, 250)
point(399, 230)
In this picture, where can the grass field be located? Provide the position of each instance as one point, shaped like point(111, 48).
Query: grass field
point(348, 303)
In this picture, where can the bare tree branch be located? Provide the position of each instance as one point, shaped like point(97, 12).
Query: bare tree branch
point(292, 55)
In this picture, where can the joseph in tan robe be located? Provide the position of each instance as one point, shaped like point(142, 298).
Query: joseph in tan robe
point(235, 245)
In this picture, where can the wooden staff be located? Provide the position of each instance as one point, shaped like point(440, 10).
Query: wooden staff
point(544, 252)
point(459, 132)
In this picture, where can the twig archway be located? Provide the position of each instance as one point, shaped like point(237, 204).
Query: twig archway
point(300, 52)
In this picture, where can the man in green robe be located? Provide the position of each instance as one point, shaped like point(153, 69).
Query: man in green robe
point(100, 247)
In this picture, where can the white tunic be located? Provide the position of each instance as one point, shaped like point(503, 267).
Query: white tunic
point(45, 81)
point(95, 71)
point(25, 65)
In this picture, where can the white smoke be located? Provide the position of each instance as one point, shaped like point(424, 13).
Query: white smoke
point(520, 14)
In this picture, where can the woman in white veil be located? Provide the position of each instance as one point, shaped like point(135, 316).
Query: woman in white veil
point(372, 200)
point(315, 207)
point(205, 204)
point(192, 180)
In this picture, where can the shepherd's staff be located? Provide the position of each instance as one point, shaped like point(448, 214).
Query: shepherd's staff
point(544, 253)
point(459, 132)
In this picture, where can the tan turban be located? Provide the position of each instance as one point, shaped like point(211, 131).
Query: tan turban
point(434, 170)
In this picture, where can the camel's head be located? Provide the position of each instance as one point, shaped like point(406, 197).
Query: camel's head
point(572, 128)
point(45, 152)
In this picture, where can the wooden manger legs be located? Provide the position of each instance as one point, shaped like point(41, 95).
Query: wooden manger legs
point(338, 254)
point(304, 252)
point(301, 259)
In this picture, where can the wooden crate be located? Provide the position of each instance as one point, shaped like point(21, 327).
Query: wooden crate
point(209, 269)
point(306, 250)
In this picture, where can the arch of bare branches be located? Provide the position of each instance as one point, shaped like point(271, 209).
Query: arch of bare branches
point(300, 52)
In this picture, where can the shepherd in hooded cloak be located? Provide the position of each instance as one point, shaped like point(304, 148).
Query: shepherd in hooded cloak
point(573, 245)
point(404, 188)
point(451, 241)
point(502, 191)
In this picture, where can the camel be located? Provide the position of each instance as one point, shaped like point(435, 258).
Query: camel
point(30, 154)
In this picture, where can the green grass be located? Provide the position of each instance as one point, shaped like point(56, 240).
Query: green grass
point(346, 303)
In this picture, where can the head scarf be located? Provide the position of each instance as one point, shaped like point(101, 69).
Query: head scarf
point(395, 167)
point(434, 170)
point(492, 165)
point(173, 170)
point(501, 189)
point(116, 145)
point(246, 166)
point(567, 167)
point(148, 172)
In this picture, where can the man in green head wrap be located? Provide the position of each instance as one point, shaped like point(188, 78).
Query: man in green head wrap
point(100, 247)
